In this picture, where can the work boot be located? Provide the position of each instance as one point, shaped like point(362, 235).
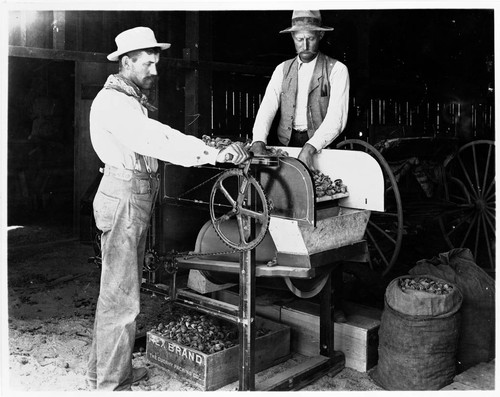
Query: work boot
point(137, 375)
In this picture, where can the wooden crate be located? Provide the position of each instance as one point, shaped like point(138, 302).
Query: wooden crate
point(212, 371)
point(357, 338)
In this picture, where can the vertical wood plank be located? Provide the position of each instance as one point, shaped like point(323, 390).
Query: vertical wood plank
point(23, 28)
point(205, 75)
point(190, 52)
point(59, 30)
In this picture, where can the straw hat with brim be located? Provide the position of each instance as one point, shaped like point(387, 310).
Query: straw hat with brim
point(135, 39)
point(306, 20)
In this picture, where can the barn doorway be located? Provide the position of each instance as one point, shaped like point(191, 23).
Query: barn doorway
point(41, 120)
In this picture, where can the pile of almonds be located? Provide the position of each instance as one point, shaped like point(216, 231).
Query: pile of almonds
point(201, 332)
point(323, 184)
point(277, 152)
point(325, 187)
point(425, 284)
point(220, 143)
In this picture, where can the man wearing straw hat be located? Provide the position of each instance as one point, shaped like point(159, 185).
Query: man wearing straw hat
point(129, 143)
point(311, 91)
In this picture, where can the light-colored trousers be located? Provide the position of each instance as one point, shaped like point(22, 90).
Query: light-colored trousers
point(122, 209)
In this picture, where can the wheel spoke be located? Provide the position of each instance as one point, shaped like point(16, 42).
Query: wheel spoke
point(487, 168)
point(475, 168)
point(478, 229)
point(253, 214)
point(457, 197)
point(491, 218)
point(489, 188)
point(384, 214)
point(456, 209)
point(225, 217)
point(488, 246)
point(454, 228)
point(471, 224)
point(376, 227)
point(486, 217)
point(490, 197)
point(491, 208)
point(377, 248)
point(226, 194)
point(467, 176)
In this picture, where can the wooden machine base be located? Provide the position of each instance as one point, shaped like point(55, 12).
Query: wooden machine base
point(305, 373)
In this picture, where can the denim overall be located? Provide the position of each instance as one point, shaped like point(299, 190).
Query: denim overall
point(122, 209)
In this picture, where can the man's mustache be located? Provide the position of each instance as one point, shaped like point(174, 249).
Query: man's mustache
point(307, 52)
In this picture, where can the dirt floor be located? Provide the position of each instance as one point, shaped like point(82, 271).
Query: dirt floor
point(52, 294)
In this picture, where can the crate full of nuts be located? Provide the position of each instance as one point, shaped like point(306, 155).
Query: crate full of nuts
point(204, 350)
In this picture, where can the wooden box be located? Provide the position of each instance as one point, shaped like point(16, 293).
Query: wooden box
point(357, 338)
point(213, 371)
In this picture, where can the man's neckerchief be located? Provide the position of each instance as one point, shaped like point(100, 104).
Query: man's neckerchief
point(127, 87)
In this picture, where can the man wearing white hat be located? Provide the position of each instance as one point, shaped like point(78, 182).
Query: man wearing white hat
point(311, 91)
point(129, 143)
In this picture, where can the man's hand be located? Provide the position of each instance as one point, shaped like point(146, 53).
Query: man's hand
point(306, 156)
point(259, 148)
point(234, 153)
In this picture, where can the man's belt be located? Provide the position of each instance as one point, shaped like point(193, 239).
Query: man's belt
point(127, 175)
point(294, 131)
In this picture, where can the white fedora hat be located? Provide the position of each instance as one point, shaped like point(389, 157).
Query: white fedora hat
point(135, 39)
point(306, 20)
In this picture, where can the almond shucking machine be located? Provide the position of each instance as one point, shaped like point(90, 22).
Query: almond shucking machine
point(265, 223)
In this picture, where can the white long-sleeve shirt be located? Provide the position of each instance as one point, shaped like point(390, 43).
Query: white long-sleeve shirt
point(338, 105)
point(120, 127)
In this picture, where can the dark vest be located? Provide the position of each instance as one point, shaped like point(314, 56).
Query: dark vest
point(317, 102)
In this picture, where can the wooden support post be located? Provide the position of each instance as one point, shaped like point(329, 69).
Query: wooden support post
point(191, 92)
point(23, 29)
point(59, 30)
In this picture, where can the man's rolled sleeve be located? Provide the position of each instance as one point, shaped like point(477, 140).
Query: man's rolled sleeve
point(268, 107)
point(338, 106)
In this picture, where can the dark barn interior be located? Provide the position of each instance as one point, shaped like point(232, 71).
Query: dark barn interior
point(422, 102)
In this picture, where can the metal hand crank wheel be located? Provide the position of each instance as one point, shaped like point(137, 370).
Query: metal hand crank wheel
point(230, 196)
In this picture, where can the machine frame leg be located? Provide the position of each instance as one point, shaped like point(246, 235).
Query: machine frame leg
point(326, 338)
point(246, 324)
point(246, 318)
point(328, 361)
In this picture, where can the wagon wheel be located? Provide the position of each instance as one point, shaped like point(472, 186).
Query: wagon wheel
point(384, 231)
point(468, 220)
